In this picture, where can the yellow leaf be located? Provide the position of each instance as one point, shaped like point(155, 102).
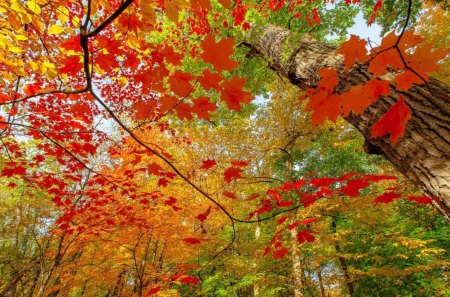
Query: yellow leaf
point(62, 14)
point(25, 18)
point(34, 7)
point(75, 21)
point(15, 49)
point(123, 81)
point(21, 37)
point(55, 29)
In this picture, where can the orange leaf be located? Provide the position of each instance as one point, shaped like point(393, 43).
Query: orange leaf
point(405, 80)
point(225, 3)
point(230, 195)
point(353, 50)
point(233, 94)
point(180, 83)
point(393, 122)
point(218, 54)
point(171, 10)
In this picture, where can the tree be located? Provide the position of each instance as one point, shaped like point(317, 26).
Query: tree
point(422, 154)
point(93, 93)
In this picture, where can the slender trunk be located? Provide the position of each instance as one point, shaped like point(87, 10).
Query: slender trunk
point(422, 155)
point(256, 288)
point(322, 288)
point(297, 267)
point(344, 266)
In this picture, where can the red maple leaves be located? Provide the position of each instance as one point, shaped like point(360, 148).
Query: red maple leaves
point(393, 122)
point(406, 55)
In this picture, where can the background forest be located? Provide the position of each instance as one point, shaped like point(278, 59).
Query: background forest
point(212, 194)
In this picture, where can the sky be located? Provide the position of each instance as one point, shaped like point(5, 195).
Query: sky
point(361, 29)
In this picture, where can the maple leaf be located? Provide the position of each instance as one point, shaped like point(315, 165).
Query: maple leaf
point(153, 291)
point(171, 201)
point(189, 280)
point(280, 253)
point(208, 163)
point(142, 109)
point(405, 80)
point(420, 199)
point(203, 216)
point(225, 3)
point(218, 54)
point(281, 220)
point(305, 236)
point(202, 107)
point(233, 93)
point(10, 171)
point(353, 50)
point(180, 83)
point(232, 173)
point(323, 102)
point(393, 122)
point(210, 80)
point(387, 198)
point(230, 195)
point(191, 240)
point(155, 169)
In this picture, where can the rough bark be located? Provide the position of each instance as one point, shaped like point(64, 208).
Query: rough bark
point(422, 155)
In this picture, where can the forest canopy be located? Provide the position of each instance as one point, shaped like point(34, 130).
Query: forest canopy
point(224, 148)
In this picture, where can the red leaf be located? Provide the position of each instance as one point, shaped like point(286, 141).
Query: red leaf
point(202, 107)
point(210, 80)
point(405, 80)
point(230, 195)
point(305, 236)
point(280, 253)
point(10, 171)
point(189, 280)
point(191, 240)
point(232, 173)
point(233, 94)
point(322, 181)
point(3, 125)
point(162, 182)
point(393, 122)
point(155, 169)
point(420, 199)
point(208, 163)
point(171, 201)
point(353, 50)
point(281, 220)
point(153, 291)
point(387, 197)
point(308, 221)
point(180, 83)
point(218, 54)
point(203, 216)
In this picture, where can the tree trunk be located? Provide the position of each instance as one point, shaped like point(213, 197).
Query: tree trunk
point(344, 266)
point(422, 155)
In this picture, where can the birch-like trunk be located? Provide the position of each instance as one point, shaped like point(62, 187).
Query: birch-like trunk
point(422, 155)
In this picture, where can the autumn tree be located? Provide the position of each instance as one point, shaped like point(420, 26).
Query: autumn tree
point(93, 91)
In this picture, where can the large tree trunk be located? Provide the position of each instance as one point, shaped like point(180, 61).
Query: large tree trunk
point(422, 155)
